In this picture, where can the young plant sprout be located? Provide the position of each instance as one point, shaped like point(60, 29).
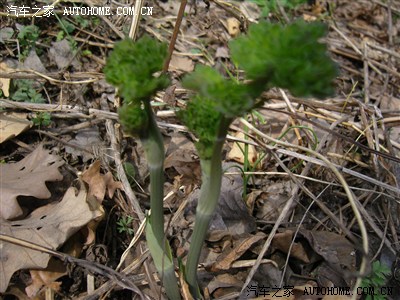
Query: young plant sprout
point(131, 68)
point(271, 55)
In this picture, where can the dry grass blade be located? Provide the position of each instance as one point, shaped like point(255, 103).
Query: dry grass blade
point(135, 20)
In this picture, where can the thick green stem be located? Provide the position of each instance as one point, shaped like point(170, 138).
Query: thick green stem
point(158, 246)
point(209, 195)
point(154, 148)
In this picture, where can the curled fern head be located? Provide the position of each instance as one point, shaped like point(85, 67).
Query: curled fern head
point(131, 67)
point(289, 57)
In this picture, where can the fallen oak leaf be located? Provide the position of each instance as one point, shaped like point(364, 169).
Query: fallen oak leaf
point(27, 178)
point(49, 226)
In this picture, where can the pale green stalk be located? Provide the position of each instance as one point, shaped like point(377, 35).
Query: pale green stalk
point(158, 246)
point(154, 148)
point(209, 194)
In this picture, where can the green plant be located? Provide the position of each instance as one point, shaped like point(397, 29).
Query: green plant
point(87, 52)
point(24, 91)
point(27, 37)
point(82, 22)
point(271, 56)
point(66, 29)
point(272, 6)
point(131, 68)
point(376, 279)
point(85, 22)
point(130, 172)
point(123, 225)
point(42, 119)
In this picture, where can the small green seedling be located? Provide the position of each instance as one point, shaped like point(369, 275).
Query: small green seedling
point(124, 225)
point(42, 119)
point(67, 28)
point(24, 91)
point(27, 37)
point(376, 280)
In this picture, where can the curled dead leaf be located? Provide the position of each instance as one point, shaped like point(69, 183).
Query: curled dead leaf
point(98, 183)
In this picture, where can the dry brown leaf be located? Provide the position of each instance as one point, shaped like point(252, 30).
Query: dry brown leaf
point(233, 26)
point(232, 208)
point(337, 251)
point(12, 124)
point(111, 184)
point(182, 156)
point(180, 63)
point(225, 261)
point(5, 82)
point(55, 269)
point(237, 151)
point(282, 242)
point(16, 292)
point(250, 10)
point(27, 178)
point(33, 62)
point(47, 278)
point(309, 18)
point(85, 139)
point(185, 288)
point(63, 55)
point(273, 199)
point(95, 181)
point(49, 226)
point(98, 183)
point(223, 284)
point(222, 52)
point(334, 248)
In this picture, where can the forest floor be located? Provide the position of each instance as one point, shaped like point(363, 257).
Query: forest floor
point(71, 181)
